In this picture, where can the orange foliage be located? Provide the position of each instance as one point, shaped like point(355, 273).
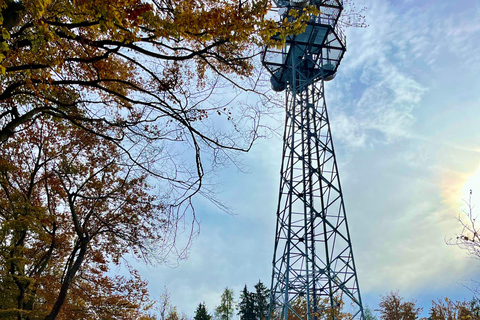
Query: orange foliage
point(392, 307)
point(446, 309)
point(325, 309)
point(70, 57)
point(68, 211)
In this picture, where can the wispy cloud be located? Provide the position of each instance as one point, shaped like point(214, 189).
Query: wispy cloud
point(394, 70)
point(385, 94)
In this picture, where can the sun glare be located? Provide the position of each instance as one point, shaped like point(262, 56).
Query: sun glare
point(472, 184)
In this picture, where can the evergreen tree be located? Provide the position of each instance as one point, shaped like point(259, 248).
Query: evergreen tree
point(201, 313)
point(261, 301)
point(246, 307)
point(368, 313)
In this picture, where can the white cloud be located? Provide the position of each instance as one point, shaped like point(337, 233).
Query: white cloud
point(347, 129)
point(385, 95)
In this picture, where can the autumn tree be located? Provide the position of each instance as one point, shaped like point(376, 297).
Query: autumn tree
point(148, 76)
point(297, 309)
point(333, 309)
point(70, 208)
point(225, 310)
point(163, 305)
point(96, 98)
point(175, 315)
point(474, 308)
point(392, 307)
point(446, 309)
point(70, 58)
point(443, 309)
point(147, 69)
point(326, 308)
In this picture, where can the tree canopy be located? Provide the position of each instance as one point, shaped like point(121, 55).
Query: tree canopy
point(254, 305)
point(246, 306)
point(107, 109)
point(68, 210)
point(392, 307)
point(201, 313)
point(139, 73)
point(225, 310)
point(123, 63)
point(262, 301)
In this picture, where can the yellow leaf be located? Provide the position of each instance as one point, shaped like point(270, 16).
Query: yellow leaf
point(5, 34)
point(3, 46)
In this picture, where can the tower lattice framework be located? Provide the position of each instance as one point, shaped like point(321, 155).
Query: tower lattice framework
point(314, 275)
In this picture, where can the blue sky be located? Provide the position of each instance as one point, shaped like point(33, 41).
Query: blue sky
point(405, 113)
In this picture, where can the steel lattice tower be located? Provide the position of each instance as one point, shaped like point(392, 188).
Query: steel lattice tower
point(313, 264)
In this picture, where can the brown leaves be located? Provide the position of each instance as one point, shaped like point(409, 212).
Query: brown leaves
point(392, 307)
point(93, 46)
point(61, 185)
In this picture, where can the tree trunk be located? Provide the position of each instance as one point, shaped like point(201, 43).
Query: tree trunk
point(68, 279)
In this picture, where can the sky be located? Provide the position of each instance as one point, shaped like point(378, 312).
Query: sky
point(405, 113)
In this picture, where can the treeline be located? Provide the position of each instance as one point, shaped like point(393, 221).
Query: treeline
point(254, 305)
point(393, 307)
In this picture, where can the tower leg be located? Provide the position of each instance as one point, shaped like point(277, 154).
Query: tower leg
point(314, 274)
